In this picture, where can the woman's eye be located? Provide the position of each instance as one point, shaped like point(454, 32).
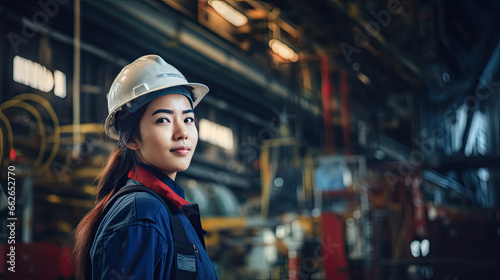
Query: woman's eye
point(162, 120)
point(190, 120)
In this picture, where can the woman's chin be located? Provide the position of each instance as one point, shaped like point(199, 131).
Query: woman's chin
point(181, 168)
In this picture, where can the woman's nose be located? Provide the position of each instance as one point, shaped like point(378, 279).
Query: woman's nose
point(180, 132)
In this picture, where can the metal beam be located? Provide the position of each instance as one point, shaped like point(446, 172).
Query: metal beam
point(360, 21)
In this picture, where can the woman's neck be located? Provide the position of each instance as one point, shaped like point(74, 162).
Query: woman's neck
point(170, 174)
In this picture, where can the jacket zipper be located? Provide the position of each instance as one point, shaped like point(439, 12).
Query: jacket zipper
point(197, 252)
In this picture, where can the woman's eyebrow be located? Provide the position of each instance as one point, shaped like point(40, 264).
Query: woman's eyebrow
point(168, 111)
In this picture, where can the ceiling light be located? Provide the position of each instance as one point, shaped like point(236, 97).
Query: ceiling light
point(229, 13)
point(363, 78)
point(283, 50)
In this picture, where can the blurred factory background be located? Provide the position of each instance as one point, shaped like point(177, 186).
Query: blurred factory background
point(341, 139)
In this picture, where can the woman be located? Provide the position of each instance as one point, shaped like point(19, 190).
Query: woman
point(138, 234)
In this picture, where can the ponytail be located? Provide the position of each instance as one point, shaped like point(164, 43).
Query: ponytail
point(112, 178)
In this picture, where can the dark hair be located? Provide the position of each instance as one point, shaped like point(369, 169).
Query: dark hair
point(112, 178)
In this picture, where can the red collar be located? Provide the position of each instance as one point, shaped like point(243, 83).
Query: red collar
point(149, 180)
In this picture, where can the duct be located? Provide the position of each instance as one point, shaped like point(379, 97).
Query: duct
point(63, 38)
point(196, 38)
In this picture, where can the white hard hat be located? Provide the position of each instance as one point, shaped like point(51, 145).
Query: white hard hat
point(148, 74)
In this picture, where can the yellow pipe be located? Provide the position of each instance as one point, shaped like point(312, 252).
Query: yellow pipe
point(84, 128)
point(1, 146)
point(265, 168)
point(224, 223)
point(10, 135)
point(308, 177)
point(41, 126)
point(57, 139)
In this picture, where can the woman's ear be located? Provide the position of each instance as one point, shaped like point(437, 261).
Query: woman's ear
point(133, 145)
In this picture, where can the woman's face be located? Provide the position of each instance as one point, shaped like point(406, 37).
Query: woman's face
point(168, 134)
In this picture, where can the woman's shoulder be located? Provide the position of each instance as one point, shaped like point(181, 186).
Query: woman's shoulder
point(135, 220)
point(137, 208)
point(150, 207)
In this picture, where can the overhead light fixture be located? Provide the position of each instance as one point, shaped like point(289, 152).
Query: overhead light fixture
point(229, 13)
point(283, 50)
point(363, 78)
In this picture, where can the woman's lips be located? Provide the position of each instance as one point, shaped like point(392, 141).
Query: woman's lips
point(182, 150)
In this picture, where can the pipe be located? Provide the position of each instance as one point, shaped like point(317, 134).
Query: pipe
point(326, 90)
point(76, 82)
point(345, 112)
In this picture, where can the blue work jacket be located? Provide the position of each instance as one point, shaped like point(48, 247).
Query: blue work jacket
point(134, 239)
